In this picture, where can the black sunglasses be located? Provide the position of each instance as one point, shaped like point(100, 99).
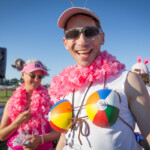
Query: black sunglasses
point(88, 32)
point(33, 76)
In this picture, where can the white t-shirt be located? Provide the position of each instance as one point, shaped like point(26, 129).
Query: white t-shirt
point(117, 137)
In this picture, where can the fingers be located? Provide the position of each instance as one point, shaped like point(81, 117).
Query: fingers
point(28, 147)
point(29, 137)
point(23, 117)
point(26, 113)
point(35, 141)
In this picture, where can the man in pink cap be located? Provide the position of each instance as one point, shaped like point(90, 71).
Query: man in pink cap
point(98, 71)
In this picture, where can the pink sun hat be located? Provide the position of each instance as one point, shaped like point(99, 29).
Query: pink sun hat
point(67, 14)
point(33, 67)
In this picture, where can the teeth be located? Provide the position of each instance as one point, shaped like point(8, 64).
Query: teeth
point(35, 84)
point(83, 52)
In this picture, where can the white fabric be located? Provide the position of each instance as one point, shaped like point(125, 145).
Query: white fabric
point(148, 89)
point(143, 68)
point(117, 137)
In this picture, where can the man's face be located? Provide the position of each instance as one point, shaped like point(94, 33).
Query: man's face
point(83, 49)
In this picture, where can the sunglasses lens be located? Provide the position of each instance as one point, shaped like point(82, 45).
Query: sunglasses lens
point(40, 76)
point(90, 32)
point(72, 34)
point(32, 76)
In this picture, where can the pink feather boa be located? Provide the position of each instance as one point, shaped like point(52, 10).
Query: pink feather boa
point(75, 77)
point(40, 106)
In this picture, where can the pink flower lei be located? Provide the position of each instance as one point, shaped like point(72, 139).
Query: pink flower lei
point(75, 77)
point(40, 106)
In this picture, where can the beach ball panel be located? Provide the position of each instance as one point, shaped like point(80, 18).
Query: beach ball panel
point(115, 102)
point(57, 128)
point(61, 101)
point(93, 98)
point(62, 108)
point(104, 93)
point(112, 114)
point(100, 119)
point(61, 121)
point(91, 110)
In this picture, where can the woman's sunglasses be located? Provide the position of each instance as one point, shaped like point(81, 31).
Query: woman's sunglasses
point(88, 32)
point(33, 76)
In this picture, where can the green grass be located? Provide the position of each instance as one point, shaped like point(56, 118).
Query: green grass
point(5, 96)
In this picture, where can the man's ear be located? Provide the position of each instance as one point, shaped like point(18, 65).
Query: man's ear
point(103, 38)
point(65, 43)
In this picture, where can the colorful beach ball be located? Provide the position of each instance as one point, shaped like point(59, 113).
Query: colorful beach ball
point(60, 116)
point(102, 107)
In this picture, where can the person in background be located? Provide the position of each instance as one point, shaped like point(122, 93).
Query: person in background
point(142, 69)
point(24, 120)
point(95, 73)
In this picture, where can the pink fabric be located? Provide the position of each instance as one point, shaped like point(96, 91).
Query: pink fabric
point(33, 67)
point(40, 106)
point(75, 77)
point(45, 146)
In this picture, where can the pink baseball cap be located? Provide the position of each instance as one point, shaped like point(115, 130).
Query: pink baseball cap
point(67, 14)
point(33, 67)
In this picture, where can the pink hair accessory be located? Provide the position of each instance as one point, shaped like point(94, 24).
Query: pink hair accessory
point(139, 59)
point(146, 61)
point(33, 67)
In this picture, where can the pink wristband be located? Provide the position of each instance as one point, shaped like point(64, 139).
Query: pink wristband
point(42, 139)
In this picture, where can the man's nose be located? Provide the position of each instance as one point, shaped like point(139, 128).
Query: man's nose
point(82, 40)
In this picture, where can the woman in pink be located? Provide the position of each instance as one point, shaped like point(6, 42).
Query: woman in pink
point(24, 120)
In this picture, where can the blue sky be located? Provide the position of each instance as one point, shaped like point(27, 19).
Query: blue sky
point(28, 29)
